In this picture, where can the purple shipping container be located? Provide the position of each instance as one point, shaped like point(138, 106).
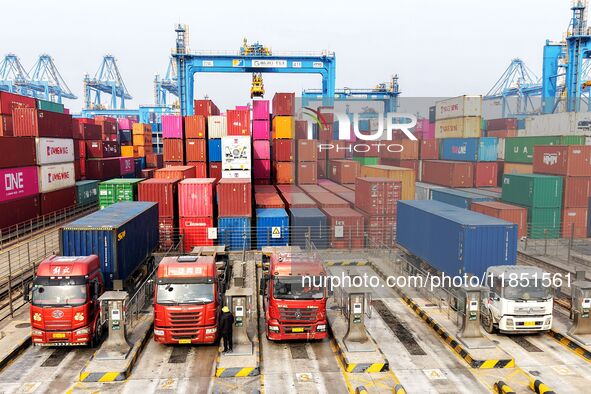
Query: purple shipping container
point(125, 123)
point(18, 183)
point(262, 150)
point(261, 129)
point(262, 169)
point(126, 165)
point(172, 126)
point(19, 211)
point(424, 129)
point(260, 110)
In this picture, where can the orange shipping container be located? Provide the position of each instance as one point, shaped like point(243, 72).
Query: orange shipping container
point(141, 129)
point(307, 150)
point(195, 150)
point(307, 173)
point(173, 150)
point(142, 139)
point(517, 168)
point(284, 172)
point(129, 151)
point(175, 172)
point(571, 160)
point(343, 171)
point(508, 212)
point(283, 127)
point(406, 176)
point(574, 222)
point(195, 126)
point(407, 150)
point(142, 151)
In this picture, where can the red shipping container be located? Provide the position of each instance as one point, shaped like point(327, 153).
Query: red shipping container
point(268, 200)
point(508, 212)
point(284, 172)
point(196, 150)
point(381, 230)
point(412, 164)
point(10, 101)
point(108, 124)
point(195, 126)
point(335, 149)
point(261, 150)
point(265, 189)
point(148, 173)
point(238, 122)
point(126, 165)
point(175, 172)
point(6, 125)
point(234, 197)
point(261, 169)
point(284, 104)
point(167, 236)
point(501, 124)
point(326, 199)
point(80, 148)
point(102, 149)
point(173, 150)
point(200, 168)
point(429, 149)
point(326, 132)
point(58, 200)
point(82, 167)
point(571, 160)
point(38, 123)
point(501, 133)
point(576, 191)
point(101, 169)
point(196, 197)
point(402, 149)
point(333, 187)
point(195, 232)
point(297, 199)
point(448, 173)
point(283, 150)
point(307, 173)
point(17, 152)
point(321, 169)
point(574, 222)
point(307, 150)
point(215, 170)
point(162, 191)
point(77, 170)
point(377, 196)
point(205, 108)
point(89, 131)
point(154, 160)
point(346, 227)
point(19, 211)
point(343, 171)
point(301, 129)
point(485, 173)
point(289, 188)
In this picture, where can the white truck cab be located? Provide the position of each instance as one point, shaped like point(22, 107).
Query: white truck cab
point(519, 300)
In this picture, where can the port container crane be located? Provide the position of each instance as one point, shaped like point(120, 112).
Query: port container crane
point(107, 80)
point(163, 87)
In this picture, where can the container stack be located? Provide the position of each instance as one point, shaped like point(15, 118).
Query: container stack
point(196, 211)
point(501, 128)
point(216, 130)
point(406, 176)
point(8, 102)
point(261, 145)
point(283, 132)
point(573, 163)
point(125, 130)
point(234, 197)
point(458, 117)
point(164, 192)
point(406, 156)
point(173, 140)
point(108, 128)
point(480, 152)
point(118, 189)
point(307, 159)
point(343, 172)
point(196, 144)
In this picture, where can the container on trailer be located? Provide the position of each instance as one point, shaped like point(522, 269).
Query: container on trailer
point(544, 223)
point(58, 200)
point(377, 196)
point(429, 149)
point(87, 192)
point(283, 104)
point(326, 199)
point(458, 198)
point(172, 126)
point(574, 223)
point(102, 168)
point(307, 173)
point(205, 108)
point(175, 172)
point(533, 190)
point(283, 150)
point(17, 152)
point(174, 150)
point(260, 110)
point(456, 107)
point(238, 122)
point(568, 160)
point(196, 197)
point(234, 197)
point(261, 129)
point(346, 227)
point(404, 175)
point(307, 150)
point(216, 126)
point(195, 232)
point(262, 169)
point(126, 165)
point(195, 150)
point(343, 171)
point(469, 149)
point(448, 173)
point(154, 160)
point(485, 174)
point(234, 232)
point(215, 170)
point(102, 149)
point(38, 123)
point(507, 212)
point(10, 101)
point(308, 224)
point(214, 149)
point(195, 126)
point(123, 235)
point(17, 211)
point(576, 191)
point(284, 172)
point(458, 127)
point(272, 227)
point(453, 240)
point(56, 176)
point(261, 150)
point(162, 191)
point(268, 199)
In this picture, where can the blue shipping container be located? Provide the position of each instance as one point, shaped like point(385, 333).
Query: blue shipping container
point(272, 227)
point(234, 232)
point(483, 192)
point(469, 149)
point(308, 222)
point(214, 150)
point(454, 240)
point(458, 198)
point(123, 235)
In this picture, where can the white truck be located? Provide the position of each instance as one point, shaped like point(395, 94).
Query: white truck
point(519, 300)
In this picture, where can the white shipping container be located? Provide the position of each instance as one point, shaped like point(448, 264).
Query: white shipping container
point(563, 123)
point(237, 174)
point(458, 127)
point(56, 176)
point(236, 153)
point(500, 148)
point(216, 126)
point(423, 190)
point(54, 150)
point(457, 107)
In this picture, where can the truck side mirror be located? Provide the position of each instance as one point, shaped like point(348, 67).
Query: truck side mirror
point(27, 289)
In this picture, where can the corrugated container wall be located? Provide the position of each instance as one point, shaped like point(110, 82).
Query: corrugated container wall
point(533, 190)
point(510, 213)
point(469, 149)
point(196, 197)
point(56, 176)
point(458, 127)
point(234, 232)
point(17, 152)
point(234, 197)
point(162, 191)
point(458, 198)
point(457, 107)
point(272, 227)
point(308, 223)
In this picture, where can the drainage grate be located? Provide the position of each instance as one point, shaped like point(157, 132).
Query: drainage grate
point(401, 332)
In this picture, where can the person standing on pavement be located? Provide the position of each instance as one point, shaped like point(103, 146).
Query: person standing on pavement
point(226, 323)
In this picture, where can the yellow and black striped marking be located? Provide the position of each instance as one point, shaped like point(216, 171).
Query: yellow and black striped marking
point(346, 263)
point(240, 371)
point(502, 388)
point(540, 388)
point(571, 345)
point(359, 367)
point(455, 345)
point(399, 389)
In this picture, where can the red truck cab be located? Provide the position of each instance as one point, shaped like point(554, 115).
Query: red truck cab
point(295, 309)
point(187, 300)
point(64, 308)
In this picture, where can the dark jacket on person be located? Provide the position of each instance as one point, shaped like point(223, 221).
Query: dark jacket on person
point(226, 322)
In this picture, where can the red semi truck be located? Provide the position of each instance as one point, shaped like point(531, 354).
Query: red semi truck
point(64, 308)
point(295, 309)
point(188, 299)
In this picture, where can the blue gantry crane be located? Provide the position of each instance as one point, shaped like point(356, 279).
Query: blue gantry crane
point(167, 86)
point(515, 90)
point(107, 80)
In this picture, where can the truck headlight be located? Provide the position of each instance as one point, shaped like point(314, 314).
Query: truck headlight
point(548, 321)
point(158, 332)
point(509, 322)
point(210, 330)
point(36, 332)
point(82, 331)
point(321, 327)
point(274, 328)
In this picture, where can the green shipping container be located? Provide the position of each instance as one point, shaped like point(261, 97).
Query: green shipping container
point(118, 189)
point(50, 106)
point(521, 149)
point(87, 192)
point(533, 190)
point(543, 223)
point(367, 161)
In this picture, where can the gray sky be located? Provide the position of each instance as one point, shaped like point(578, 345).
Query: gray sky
point(438, 47)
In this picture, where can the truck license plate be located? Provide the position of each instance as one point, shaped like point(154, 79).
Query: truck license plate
point(184, 341)
point(59, 335)
point(529, 323)
point(297, 329)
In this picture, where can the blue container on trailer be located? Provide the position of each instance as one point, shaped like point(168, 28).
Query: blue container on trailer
point(123, 235)
point(310, 221)
point(458, 198)
point(234, 232)
point(214, 152)
point(469, 149)
point(454, 240)
point(272, 227)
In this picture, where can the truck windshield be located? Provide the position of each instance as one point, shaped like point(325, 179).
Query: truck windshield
point(527, 293)
point(291, 288)
point(185, 293)
point(63, 295)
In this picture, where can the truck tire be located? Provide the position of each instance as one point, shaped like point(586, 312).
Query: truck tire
point(97, 336)
point(487, 322)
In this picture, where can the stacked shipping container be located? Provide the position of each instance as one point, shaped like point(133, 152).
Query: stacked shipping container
point(283, 133)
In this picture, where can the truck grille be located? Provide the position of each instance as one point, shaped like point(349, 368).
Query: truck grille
point(188, 318)
point(58, 325)
point(297, 314)
point(184, 334)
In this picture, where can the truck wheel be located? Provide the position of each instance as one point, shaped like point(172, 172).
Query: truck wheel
point(97, 336)
point(487, 322)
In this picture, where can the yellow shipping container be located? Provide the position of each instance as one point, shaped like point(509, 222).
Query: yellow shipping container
point(406, 176)
point(129, 151)
point(142, 139)
point(283, 127)
point(459, 127)
point(517, 168)
point(142, 150)
point(141, 128)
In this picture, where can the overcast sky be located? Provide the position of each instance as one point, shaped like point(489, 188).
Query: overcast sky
point(438, 47)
